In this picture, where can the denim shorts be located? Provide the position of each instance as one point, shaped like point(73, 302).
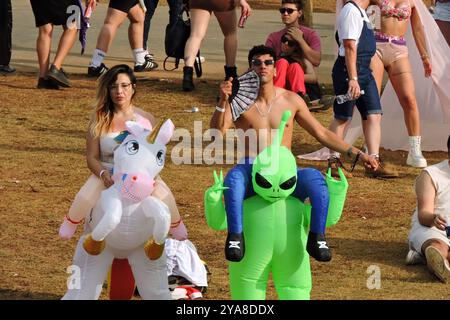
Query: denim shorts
point(367, 104)
point(442, 11)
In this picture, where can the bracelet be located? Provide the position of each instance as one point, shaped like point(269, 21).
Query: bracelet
point(71, 221)
point(424, 56)
point(175, 224)
point(101, 173)
point(220, 109)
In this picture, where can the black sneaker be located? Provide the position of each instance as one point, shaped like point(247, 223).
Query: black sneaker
point(58, 76)
point(96, 72)
point(6, 70)
point(234, 247)
point(148, 65)
point(317, 247)
point(47, 84)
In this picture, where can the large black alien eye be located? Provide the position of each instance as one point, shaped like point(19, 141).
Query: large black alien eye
point(132, 147)
point(288, 183)
point(160, 158)
point(262, 182)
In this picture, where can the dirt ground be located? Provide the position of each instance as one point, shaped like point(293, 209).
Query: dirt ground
point(43, 167)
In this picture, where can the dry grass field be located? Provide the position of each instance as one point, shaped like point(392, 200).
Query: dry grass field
point(42, 167)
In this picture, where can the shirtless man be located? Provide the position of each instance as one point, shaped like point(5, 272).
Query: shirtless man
point(263, 116)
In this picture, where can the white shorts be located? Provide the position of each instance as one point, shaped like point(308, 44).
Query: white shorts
point(419, 234)
point(442, 11)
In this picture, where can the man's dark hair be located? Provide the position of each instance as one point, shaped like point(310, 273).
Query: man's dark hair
point(448, 143)
point(298, 3)
point(259, 51)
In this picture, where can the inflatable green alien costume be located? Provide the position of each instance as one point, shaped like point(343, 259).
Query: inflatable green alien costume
point(275, 226)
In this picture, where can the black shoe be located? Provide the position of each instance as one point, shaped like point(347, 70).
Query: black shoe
point(58, 76)
point(317, 247)
point(188, 81)
point(47, 84)
point(234, 247)
point(148, 65)
point(230, 72)
point(6, 70)
point(96, 72)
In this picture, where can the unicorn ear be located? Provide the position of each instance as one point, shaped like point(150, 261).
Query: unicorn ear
point(162, 133)
point(134, 128)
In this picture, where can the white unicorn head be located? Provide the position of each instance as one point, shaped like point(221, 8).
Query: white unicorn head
point(140, 158)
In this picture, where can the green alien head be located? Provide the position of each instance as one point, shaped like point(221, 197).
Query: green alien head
point(274, 172)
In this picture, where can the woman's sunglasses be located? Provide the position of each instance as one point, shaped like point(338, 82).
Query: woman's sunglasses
point(257, 62)
point(288, 10)
point(290, 43)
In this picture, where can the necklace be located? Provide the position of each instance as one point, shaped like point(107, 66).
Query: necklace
point(268, 110)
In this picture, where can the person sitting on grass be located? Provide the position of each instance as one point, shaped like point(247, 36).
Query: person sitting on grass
point(428, 237)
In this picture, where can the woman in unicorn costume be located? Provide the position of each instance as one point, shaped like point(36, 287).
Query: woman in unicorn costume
point(414, 88)
point(114, 107)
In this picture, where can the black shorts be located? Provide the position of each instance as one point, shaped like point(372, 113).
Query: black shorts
point(52, 11)
point(123, 5)
point(212, 5)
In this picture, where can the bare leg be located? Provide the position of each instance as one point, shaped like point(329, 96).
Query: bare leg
point(43, 45)
point(228, 24)
point(66, 42)
point(377, 70)
point(199, 25)
point(136, 28)
point(114, 18)
point(403, 84)
point(372, 132)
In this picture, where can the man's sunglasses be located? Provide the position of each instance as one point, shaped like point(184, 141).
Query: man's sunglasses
point(288, 10)
point(290, 43)
point(257, 62)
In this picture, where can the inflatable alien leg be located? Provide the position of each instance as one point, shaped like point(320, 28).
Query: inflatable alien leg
point(150, 275)
point(312, 185)
point(274, 235)
point(290, 265)
point(88, 274)
point(248, 278)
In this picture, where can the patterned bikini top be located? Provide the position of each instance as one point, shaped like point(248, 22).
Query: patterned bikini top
point(402, 12)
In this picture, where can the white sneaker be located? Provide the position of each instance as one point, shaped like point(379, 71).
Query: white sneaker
point(413, 257)
point(416, 160)
point(438, 264)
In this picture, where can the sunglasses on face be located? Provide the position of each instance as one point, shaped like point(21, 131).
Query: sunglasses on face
point(290, 43)
point(257, 62)
point(288, 10)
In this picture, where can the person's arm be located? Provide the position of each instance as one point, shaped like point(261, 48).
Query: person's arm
point(328, 138)
point(93, 159)
point(222, 118)
point(310, 73)
point(426, 193)
point(246, 10)
point(350, 62)
point(146, 115)
point(312, 55)
point(419, 38)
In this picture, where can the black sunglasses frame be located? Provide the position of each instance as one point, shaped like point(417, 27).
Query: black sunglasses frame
point(288, 10)
point(268, 62)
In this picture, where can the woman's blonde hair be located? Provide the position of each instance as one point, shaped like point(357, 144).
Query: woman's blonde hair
point(104, 106)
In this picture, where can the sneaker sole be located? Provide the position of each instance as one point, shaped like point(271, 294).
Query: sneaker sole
point(421, 164)
point(59, 82)
point(436, 261)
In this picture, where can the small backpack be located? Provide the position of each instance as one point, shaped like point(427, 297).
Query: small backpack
point(177, 34)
